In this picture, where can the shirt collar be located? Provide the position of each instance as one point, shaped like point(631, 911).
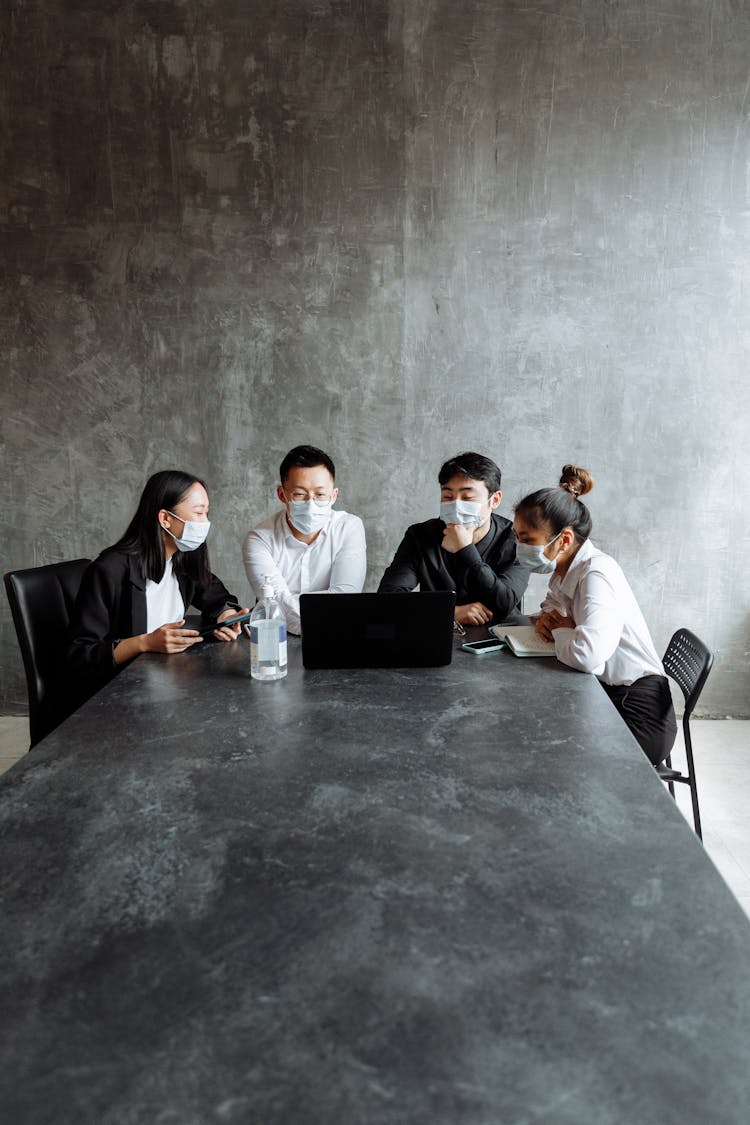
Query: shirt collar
point(584, 552)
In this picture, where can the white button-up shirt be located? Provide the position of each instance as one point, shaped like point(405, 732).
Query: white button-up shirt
point(611, 638)
point(334, 563)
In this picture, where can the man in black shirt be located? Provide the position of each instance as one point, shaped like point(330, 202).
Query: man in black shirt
point(470, 549)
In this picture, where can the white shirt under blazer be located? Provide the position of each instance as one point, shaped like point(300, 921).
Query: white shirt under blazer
point(611, 638)
point(334, 563)
point(164, 603)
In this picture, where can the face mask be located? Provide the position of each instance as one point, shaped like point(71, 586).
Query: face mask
point(309, 516)
point(193, 533)
point(466, 512)
point(532, 556)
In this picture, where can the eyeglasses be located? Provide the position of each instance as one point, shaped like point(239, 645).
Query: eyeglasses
point(298, 495)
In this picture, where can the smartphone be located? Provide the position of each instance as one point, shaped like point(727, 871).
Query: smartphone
point(480, 648)
point(206, 629)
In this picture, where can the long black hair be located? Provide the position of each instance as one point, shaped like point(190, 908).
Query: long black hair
point(560, 507)
point(143, 535)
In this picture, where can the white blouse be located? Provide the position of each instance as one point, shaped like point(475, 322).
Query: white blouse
point(164, 602)
point(611, 638)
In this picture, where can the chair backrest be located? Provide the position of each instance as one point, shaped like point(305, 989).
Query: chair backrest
point(41, 601)
point(688, 662)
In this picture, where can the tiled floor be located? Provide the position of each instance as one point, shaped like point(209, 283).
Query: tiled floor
point(722, 765)
point(14, 740)
point(722, 751)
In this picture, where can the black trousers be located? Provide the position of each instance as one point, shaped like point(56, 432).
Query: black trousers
point(646, 707)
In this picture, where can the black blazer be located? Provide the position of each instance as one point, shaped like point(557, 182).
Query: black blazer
point(111, 605)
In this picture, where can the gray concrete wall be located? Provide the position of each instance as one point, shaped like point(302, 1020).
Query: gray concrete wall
point(394, 229)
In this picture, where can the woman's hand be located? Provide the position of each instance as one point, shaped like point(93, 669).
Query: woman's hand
point(229, 632)
point(167, 638)
point(546, 622)
point(171, 638)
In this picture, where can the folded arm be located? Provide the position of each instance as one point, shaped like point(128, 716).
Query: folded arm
point(500, 590)
point(402, 575)
point(349, 567)
point(259, 563)
point(589, 644)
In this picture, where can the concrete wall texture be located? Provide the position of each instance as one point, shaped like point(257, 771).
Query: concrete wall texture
point(395, 229)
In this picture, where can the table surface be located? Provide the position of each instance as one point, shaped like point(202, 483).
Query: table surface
point(434, 895)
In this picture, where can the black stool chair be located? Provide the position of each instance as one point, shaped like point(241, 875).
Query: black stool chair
point(688, 662)
point(41, 602)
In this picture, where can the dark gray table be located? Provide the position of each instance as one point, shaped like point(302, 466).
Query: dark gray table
point(448, 896)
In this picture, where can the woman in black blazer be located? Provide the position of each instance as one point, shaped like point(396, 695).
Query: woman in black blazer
point(134, 596)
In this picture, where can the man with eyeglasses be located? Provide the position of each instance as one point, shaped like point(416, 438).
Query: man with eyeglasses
point(469, 548)
point(307, 547)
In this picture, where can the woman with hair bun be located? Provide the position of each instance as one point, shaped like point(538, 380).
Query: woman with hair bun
point(590, 613)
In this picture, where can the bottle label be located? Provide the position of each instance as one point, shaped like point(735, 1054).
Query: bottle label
point(267, 635)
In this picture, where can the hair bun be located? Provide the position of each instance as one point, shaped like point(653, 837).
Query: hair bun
point(576, 481)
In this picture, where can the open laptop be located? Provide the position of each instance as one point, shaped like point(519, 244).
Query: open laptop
point(377, 630)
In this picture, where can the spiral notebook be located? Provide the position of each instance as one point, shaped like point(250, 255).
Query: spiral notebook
point(522, 640)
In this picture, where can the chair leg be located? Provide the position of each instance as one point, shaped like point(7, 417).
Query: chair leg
point(693, 784)
point(670, 784)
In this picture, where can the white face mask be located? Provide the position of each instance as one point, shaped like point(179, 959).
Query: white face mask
point(309, 516)
point(532, 556)
point(466, 512)
point(193, 533)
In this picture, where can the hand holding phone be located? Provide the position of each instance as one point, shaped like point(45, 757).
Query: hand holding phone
point(205, 630)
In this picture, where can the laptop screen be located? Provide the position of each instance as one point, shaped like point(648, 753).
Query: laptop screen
point(410, 630)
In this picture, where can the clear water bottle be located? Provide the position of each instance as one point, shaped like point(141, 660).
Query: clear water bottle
point(267, 637)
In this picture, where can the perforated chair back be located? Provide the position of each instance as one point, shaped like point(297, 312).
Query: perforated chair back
point(687, 661)
point(41, 602)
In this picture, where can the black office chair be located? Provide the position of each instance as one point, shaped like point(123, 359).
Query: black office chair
point(688, 662)
point(41, 602)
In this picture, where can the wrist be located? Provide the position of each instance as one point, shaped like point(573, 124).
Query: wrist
point(469, 554)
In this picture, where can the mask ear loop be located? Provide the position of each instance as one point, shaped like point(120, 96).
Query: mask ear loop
point(552, 540)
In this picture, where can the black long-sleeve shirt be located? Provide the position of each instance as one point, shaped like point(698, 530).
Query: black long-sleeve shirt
point(485, 572)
